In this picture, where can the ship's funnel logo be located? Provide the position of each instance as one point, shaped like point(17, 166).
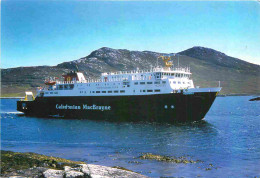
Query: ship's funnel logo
point(166, 60)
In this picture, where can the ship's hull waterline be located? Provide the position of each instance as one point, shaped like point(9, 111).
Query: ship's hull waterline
point(173, 107)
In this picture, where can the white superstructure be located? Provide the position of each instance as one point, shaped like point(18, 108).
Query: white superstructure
point(139, 82)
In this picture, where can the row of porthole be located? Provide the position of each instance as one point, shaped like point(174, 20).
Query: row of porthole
point(115, 91)
point(51, 93)
point(98, 84)
point(174, 82)
point(171, 107)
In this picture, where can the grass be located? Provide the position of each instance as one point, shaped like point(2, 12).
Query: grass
point(18, 161)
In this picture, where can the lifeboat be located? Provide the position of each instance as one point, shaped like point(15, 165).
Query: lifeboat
point(50, 82)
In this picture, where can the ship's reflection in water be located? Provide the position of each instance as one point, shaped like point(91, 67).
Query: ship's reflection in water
point(227, 144)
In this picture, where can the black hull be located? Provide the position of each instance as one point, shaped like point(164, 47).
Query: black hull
point(174, 107)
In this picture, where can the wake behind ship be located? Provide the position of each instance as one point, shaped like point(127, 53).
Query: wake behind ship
point(158, 95)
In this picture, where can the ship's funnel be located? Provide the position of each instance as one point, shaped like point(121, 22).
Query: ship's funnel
point(166, 62)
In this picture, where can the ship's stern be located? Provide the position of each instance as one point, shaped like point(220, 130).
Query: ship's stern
point(25, 105)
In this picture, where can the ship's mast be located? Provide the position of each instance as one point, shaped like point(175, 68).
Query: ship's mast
point(178, 61)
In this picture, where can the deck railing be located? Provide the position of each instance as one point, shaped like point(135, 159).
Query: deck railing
point(92, 81)
point(175, 69)
point(171, 70)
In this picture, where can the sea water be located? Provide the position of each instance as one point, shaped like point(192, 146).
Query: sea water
point(227, 141)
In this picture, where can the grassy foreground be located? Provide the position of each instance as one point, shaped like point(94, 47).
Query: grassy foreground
point(17, 161)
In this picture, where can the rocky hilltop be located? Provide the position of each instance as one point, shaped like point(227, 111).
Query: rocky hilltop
point(207, 65)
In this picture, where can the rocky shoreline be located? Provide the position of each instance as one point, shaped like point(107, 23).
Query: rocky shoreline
point(15, 164)
point(255, 99)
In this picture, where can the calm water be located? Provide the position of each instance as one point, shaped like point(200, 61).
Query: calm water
point(228, 138)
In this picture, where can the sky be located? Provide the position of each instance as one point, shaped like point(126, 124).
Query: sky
point(51, 32)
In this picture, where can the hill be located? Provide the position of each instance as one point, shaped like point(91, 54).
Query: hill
point(207, 65)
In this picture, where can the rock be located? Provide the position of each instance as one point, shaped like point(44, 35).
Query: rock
point(31, 172)
point(97, 171)
point(35, 165)
point(74, 174)
point(67, 168)
point(255, 99)
point(52, 173)
point(167, 158)
point(24, 161)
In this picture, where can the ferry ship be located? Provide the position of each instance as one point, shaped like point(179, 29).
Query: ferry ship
point(161, 94)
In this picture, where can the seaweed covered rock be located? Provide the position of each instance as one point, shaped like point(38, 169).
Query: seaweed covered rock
point(167, 158)
point(35, 165)
point(255, 99)
point(23, 161)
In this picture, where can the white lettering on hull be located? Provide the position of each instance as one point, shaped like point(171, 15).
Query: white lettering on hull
point(83, 107)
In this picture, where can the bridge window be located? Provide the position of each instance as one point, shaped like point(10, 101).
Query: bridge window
point(122, 91)
point(142, 83)
point(149, 90)
point(116, 91)
point(157, 90)
point(103, 91)
point(164, 82)
point(97, 91)
point(109, 91)
point(157, 82)
point(149, 82)
point(136, 83)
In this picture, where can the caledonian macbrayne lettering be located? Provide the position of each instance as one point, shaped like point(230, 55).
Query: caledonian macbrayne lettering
point(83, 107)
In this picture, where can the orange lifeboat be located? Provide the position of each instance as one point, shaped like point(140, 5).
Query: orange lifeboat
point(50, 82)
